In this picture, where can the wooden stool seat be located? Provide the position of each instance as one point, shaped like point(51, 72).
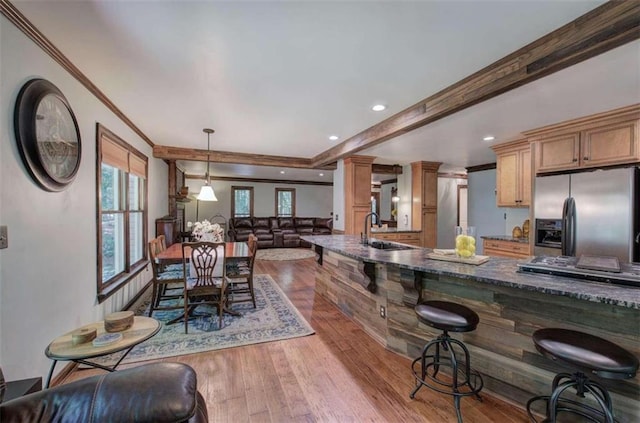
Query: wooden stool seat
point(447, 316)
point(586, 352)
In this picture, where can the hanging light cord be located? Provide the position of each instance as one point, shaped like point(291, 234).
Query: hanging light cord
point(208, 138)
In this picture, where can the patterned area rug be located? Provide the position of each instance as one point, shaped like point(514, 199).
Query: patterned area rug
point(273, 319)
point(285, 254)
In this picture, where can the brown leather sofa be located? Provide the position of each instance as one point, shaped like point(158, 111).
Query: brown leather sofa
point(278, 232)
point(156, 392)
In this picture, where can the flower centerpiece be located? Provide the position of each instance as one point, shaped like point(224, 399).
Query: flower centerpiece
point(207, 231)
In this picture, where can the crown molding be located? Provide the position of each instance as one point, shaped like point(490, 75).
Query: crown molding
point(23, 24)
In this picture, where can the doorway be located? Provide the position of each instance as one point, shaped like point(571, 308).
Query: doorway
point(462, 206)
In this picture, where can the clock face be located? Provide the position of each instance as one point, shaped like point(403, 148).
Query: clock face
point(57, 139)
point(47, 135)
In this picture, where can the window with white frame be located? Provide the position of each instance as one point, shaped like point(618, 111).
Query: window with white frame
point(242, 201)
point(122, 212)
point(285, 202)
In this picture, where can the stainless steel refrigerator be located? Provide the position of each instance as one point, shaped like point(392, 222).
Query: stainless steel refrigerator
point(599, 211)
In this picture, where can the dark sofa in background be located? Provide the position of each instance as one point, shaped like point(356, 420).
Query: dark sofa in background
point(278, 232)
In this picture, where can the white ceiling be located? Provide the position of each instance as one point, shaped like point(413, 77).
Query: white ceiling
point(277, 78)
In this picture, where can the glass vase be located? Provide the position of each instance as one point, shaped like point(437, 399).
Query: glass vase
point(465, 242)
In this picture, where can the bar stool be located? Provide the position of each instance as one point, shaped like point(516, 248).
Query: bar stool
point(448, 317)
point(584, 353)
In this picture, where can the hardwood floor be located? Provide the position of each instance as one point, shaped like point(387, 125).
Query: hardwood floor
point(339, 374)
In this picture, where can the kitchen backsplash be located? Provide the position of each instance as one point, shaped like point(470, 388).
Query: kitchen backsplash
point(515, 217)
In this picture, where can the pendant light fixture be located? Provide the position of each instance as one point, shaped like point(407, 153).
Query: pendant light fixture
point(206, 192)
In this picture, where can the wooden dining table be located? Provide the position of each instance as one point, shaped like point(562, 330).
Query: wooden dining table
point(232, 251)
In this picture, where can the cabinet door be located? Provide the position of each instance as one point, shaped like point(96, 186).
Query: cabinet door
point(429, 188)
point(524, 178)
point(609, 145)
point(558, 153)
point(384, 236)
point(492, 247)
point(506, 176)
point(429, 229)
point(411, 238)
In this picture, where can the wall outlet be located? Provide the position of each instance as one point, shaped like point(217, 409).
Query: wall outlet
point(4, 237)
point(383, 311)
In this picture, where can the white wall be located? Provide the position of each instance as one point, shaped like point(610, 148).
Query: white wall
point(48, 273)
point(385, 201)
point(405, 194)
point(488, 218)
point(311, 200)
point(448, 210)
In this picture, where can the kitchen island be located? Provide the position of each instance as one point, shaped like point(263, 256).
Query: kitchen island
point(379, 289)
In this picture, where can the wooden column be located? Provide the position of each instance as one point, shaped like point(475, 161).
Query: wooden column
point(424, 203)
point(357, 192)
point(173, 189)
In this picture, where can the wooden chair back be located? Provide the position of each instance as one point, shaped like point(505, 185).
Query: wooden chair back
point(204, 266)
point(253, 244)
point(163, 242)
point(155, 247)
point(207, 285)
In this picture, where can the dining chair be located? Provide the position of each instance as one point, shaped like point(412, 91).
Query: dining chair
point(222, 221)
point(166, 280)
point(240, 276)
point(163, 242)
point(203, 270)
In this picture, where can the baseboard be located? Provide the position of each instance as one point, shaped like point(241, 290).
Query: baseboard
point(136, 297)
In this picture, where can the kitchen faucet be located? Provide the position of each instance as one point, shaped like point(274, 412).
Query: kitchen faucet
point(364, 237)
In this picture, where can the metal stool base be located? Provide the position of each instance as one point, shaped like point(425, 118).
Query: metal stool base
point(582, 385)
point(464, 380)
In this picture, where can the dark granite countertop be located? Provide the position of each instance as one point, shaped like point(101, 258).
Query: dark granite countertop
point(506, 238)
point(497, 271)
point(393, 230)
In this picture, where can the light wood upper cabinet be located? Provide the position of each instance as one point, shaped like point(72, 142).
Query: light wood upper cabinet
point(513, 183)
point(610, 144)
point(606, 139)
point(561, 152)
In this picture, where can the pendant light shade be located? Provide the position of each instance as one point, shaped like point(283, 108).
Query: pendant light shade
point(206, 192)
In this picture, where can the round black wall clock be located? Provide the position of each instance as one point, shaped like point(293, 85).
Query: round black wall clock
point(47, 135)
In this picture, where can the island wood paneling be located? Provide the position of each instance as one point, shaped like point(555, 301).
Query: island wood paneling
point(501, 347)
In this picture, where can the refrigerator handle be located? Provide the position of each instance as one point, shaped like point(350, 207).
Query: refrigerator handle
point(563, 238)
point(569, 227)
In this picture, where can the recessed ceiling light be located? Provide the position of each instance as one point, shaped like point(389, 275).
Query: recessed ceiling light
point(489, 138)
point(334, 137)
point(378, 107)
point(282, 172)
point(321, 174)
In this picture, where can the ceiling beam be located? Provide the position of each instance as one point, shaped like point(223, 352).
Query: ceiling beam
point(604, 28)
point(382, 169)
point(192, 154)
point(259, 180)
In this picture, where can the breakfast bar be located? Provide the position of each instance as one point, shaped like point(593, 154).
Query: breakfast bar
point(379, 288)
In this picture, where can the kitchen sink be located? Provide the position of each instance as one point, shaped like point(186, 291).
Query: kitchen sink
point(389, 246)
